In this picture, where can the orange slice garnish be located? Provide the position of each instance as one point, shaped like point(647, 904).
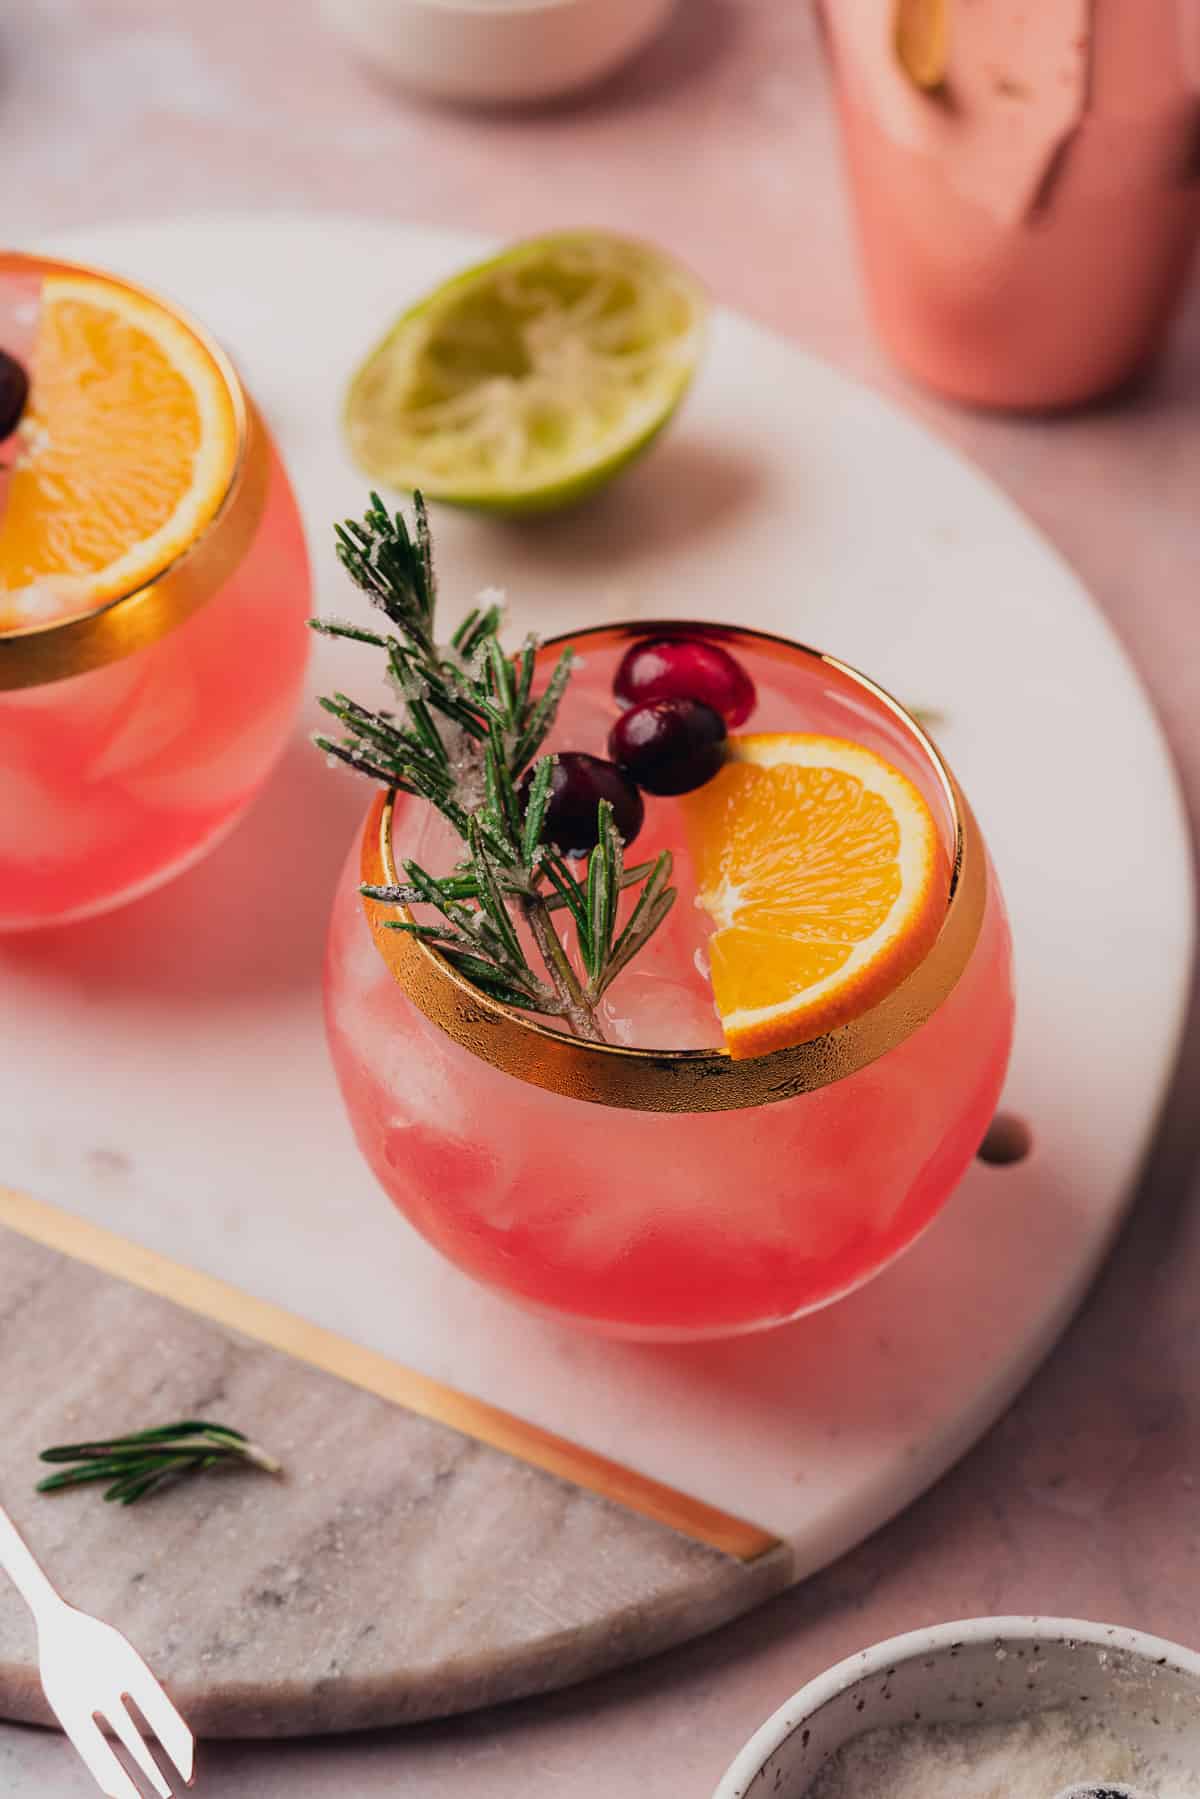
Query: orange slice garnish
point(125, 452)
point(821, 869)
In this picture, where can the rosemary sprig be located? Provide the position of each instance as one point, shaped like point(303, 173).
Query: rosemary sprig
point(464, 735)
point(136, 1465)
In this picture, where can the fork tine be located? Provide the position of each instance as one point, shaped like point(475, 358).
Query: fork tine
point(96, 1753)
point(159, 1713)
point(119, 1721)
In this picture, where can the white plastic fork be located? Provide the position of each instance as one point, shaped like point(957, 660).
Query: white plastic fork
point(89, 1673)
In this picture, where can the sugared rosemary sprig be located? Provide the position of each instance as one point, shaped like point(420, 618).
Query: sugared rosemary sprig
point(466, 729)
point(136, 1465)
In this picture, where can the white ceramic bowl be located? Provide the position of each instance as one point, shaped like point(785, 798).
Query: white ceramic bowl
point(980, 1671)
point(496, 51)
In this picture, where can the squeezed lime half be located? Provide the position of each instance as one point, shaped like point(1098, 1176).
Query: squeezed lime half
point(527, 382)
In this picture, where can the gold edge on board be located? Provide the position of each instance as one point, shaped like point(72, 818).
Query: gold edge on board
point(278, 1329)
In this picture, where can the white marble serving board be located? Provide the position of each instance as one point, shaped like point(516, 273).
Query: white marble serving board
point(163, 1070)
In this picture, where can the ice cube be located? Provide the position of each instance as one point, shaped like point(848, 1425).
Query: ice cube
point(85, 703)
point(585, 718)
point(40, 829)
point(212, 776)
point(153, 721)
point(422, 835)
point(651, 1011)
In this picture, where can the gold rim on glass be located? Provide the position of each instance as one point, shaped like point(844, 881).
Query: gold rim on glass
point(686, 1080)
point(71, 646)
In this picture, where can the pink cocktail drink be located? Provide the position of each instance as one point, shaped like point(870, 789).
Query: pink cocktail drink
point(772, 1186)
point(134, 733)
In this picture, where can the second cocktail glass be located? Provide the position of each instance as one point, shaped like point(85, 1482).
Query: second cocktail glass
point(134, 726)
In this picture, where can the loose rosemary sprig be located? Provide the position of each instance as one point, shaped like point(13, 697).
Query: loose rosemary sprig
point(136, 1465)
point(466, 729)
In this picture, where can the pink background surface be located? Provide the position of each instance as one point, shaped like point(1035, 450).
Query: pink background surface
point(719, 143)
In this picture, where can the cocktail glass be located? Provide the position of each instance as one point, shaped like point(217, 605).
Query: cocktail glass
point(132, 735)
point(651, 1186)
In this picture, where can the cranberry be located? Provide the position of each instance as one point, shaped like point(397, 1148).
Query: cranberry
point(14, 392)
point(669, 746)
point(577, 786)
point(685, 668)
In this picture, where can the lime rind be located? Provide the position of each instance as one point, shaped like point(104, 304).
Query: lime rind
point(529, 381)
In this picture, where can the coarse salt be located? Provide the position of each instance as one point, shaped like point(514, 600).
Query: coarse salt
point(1029, 1758)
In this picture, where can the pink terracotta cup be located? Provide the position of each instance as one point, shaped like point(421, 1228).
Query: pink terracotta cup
point(1027, 185)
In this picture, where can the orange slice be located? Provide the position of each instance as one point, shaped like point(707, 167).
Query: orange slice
point(821, 869)
point(126, 451)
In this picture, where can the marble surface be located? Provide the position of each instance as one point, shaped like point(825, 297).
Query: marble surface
point(1083, 1500)
point(366, 1587)
point(817, 1432)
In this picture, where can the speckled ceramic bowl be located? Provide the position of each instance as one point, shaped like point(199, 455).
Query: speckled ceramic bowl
point(981, 1670)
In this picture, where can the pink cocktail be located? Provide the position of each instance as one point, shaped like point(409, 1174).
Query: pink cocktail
point(650, 1186)
point(134, 731)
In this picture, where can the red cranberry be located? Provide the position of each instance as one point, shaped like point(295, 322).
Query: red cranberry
point(685, 668)
point(577, 786)
point(669, 746)
point(14, 392)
